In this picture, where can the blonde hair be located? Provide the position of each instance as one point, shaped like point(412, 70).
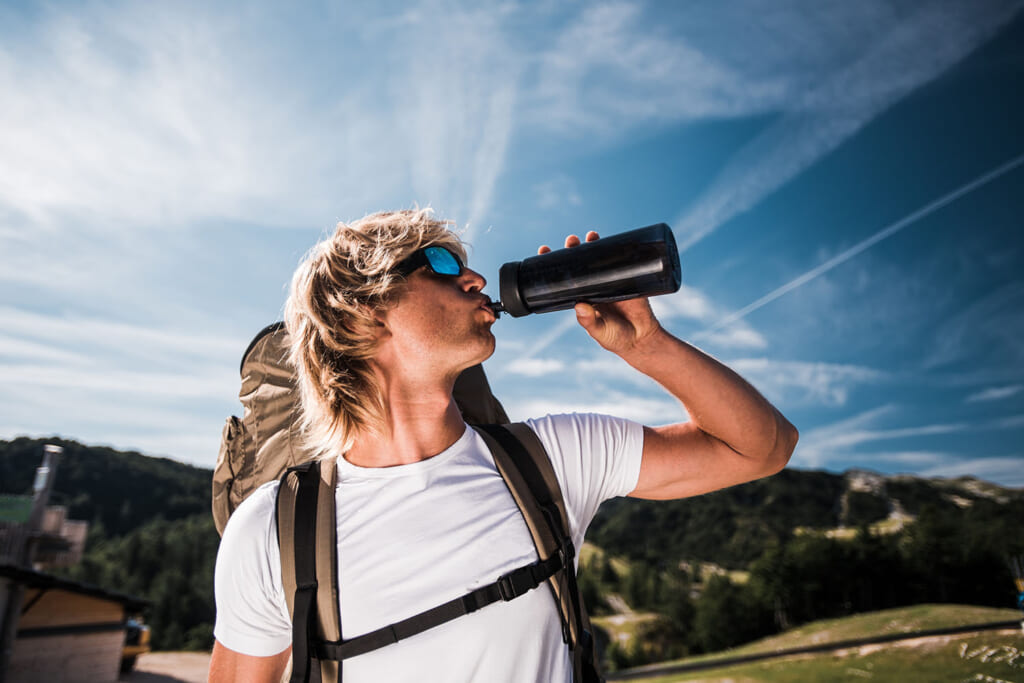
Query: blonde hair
point(335, 292)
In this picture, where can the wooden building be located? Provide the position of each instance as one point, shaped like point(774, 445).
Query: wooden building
point(68, 632)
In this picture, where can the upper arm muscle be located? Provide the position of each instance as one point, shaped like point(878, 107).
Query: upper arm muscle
point(681, 460)
point(228, 666)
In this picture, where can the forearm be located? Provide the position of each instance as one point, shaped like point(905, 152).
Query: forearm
point(719, 401)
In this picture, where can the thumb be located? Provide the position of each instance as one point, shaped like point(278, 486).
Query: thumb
point(586, 315)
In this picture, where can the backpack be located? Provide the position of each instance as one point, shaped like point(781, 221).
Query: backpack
point(265, 442)
point(265, 445)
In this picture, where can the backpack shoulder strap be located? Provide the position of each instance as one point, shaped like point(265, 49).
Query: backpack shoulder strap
point(306, 523)
point(524, 464)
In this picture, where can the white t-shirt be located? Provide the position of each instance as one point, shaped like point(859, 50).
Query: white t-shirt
point(414, 536)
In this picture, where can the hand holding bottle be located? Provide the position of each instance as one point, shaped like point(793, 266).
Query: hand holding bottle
point(617, 326)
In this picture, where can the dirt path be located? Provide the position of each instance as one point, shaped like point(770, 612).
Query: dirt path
point(170, 667)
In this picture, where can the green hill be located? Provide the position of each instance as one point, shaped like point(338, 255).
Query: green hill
point(997, 655)
point(735, 526)
point(119, 490)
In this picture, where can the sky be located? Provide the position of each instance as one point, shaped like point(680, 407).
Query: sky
point(845, 181)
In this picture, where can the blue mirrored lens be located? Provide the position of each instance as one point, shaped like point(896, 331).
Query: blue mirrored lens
point(442, 261)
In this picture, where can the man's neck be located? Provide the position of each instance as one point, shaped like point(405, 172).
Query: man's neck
point(422, 422)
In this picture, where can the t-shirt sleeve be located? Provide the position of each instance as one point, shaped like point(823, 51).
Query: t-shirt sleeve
point(252, 614)
point(595, 457)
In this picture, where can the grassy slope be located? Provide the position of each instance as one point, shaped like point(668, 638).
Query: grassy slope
point(952, 658)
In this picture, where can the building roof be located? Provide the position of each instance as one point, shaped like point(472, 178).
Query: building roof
point(33, 579)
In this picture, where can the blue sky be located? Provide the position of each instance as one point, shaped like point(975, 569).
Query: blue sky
point(845, 181)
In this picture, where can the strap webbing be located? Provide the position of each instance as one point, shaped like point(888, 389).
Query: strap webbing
point(509, 587)
point(303, 627)
point(527, 471)
point(546, 522)
point(530, 463)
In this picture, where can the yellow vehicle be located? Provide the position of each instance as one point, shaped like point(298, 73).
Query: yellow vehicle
point(136, 642)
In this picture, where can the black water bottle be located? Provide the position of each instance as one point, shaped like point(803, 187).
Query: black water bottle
point(642, 262)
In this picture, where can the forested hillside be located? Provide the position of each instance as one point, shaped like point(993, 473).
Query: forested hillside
point(735, 526)
point(151, 533)
point(806, 545)
point(118, 490)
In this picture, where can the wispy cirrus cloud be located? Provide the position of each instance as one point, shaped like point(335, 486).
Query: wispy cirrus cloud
point(992, 322)
point(692, 304)
point(995, 394)
point(113, 382)
point(847, 438)
point(612, 64)
point(557, 193)
point(180, 114)
point(804, 382)
point(1008, 470)
point(904, 56)
point(645, 410)
point(535, 367)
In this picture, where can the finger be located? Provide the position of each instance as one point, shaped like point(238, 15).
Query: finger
point(572, 241)
point(591, 236)
point(544, 249)
point(586, 315)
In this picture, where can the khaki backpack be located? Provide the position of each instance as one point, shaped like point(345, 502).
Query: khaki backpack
point(264, 442)
point(264, 445)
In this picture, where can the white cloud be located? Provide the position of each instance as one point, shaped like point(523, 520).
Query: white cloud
point(805, 382)
point(179, 113)
point(840, 442)
point(559, 192)
point(535, 367)
point(903, 56)
point(995, 393)
point(848, 439)
point(143, 114)
point(643, 410)
point(992, 323)
point(688, 302)
point(609, 367)
point(905, 461)
point(38, 335)
point(613, 66)
point(1006, 470)
point(736, 336)
point(692, 304)
point(194, 383)
point(1011, 422)
point(165, 391)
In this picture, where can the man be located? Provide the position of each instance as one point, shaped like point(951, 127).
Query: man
point(383, 317)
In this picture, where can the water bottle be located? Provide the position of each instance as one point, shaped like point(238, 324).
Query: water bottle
point(642, 262)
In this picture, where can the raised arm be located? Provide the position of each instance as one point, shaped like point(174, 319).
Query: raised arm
point(734, 434)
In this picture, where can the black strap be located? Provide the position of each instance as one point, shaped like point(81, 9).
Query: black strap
point(306, 643)
point(303, 619)
point(508, 587)
point(535, 481)
point(583, 650)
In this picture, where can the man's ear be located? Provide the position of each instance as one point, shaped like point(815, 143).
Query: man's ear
point(380, 322)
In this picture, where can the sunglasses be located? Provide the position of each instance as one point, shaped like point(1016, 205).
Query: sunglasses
point(438, 259)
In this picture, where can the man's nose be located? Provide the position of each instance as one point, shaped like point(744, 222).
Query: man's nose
point(472, 281)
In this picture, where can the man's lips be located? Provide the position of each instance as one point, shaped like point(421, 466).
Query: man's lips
point(492, 307)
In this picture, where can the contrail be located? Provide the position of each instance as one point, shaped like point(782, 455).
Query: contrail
point(905, 57)
point(869, 242)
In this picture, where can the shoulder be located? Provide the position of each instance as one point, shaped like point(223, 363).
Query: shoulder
point(585, 429)
point(595, 457)
point(251, 528)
